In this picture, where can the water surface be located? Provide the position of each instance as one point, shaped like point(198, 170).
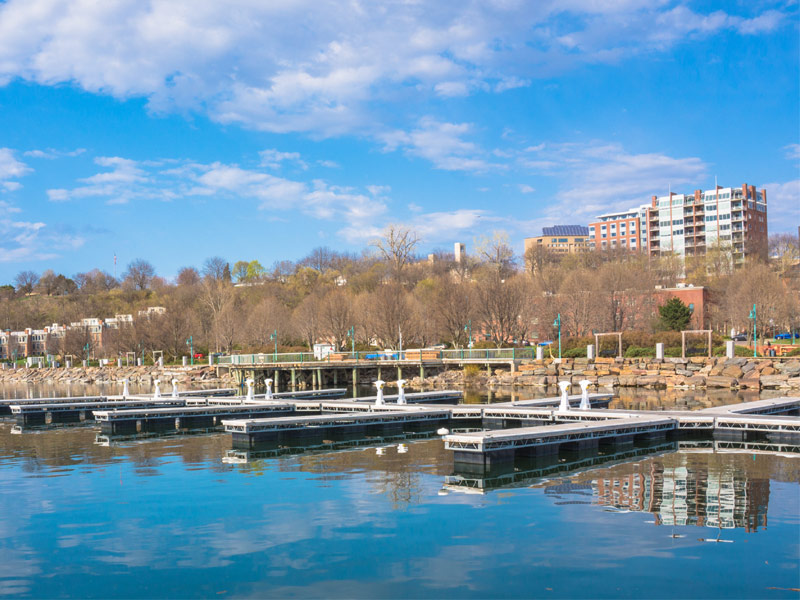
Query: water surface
point(185, 517)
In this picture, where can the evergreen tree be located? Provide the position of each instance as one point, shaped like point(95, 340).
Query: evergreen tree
point(226, 273)
point(674, 315)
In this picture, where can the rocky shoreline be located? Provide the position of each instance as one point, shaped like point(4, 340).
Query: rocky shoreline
point(678, 373)
point(186, 376)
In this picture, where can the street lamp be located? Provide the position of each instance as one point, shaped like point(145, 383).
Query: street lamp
point(557, 323)
point(274, 337)
point(754, 316)
point(190, 343)
point(468, 328)
point(351, 333)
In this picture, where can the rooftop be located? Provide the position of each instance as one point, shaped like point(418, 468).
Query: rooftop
point(565, 230)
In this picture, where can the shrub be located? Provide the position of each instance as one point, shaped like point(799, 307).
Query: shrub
point(471, 371)
point(795, 352)
point(638, 351)
point(574, 352)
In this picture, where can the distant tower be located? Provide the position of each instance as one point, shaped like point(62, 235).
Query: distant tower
point(460, 252)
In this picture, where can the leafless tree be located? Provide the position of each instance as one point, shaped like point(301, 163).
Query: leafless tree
point(495, 252)
point(188, 276)
point(397, 247)
point(25, 281)
point(336, 316)
point(139, 274)
point(214, 268)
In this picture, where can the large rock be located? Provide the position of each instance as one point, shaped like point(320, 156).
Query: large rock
point(732, 371)
point(774, 381)
point(721, 381)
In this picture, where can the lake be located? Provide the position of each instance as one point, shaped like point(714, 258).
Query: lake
point(185, 516)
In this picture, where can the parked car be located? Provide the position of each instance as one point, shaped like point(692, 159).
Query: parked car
point(783, 336)
point(741, 337)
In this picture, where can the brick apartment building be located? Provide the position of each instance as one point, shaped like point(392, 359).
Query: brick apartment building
point(561, 239)
point(734, 219)
point(623, 229)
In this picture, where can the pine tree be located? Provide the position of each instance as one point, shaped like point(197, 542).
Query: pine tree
point(674, 315)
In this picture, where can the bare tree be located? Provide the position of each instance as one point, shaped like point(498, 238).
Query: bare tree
point(784, 252)
point(139, 274)
point(306, 319)
point(188, 276)
point(214, 268)
point(453, 306)
point(495, 252)
point(500, 304)
point(397, 247)
point(26, 281)
point(336, 316)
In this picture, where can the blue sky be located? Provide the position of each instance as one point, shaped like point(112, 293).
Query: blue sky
point(174, 131)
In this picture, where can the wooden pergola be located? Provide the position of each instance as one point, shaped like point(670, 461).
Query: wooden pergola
point(597, 337)
point(698, 331)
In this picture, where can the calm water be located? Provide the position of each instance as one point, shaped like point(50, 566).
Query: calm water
point(186, 517)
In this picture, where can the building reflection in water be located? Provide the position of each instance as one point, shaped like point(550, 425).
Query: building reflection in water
point(688, 494)
point(703, 484)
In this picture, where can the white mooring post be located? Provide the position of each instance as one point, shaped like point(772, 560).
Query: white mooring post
point(379, 398)
point(184, 361)
point(730, 351)
point(174, 388)
point(585, 404)
point(268, 383)
point(125, 390)
point(157, 392)
point(161, 362)
point(119, 363)
point(564, 406)
point(210, 360)
point(401, 392)
point(660, 351)
point(590, 351)
point(250, 397)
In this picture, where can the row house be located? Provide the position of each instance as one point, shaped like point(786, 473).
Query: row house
point(40, 342)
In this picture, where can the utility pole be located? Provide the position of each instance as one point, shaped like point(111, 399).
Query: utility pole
point(754, 317)
point(274, 337)
point(190, 343)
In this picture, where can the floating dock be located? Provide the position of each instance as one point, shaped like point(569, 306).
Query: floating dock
point(250, 433)
point(162, 420)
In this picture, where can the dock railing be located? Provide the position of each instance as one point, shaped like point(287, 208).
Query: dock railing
point(411, 355)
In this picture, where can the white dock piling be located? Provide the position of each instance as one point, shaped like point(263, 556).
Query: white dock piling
point(401, 392)
point(585, 404)
point(379, 397)
point(564, 406)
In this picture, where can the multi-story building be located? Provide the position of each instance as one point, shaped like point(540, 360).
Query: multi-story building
point(562, 239)
point(623, 229)
point(733, 219)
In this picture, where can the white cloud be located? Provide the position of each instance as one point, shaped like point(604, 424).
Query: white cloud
point(11, 168)
point(440, 143)
point(26, 240)
point(318, 66)
point(129, 180)
point(51, 154)
point(274, 159)
point(792, 151)
point(526, 189)
point(600, 177)
point(783, 205)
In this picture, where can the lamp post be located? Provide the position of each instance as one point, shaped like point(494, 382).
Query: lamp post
point(351, 333)
point(190, 343)
point(754, 316)
point(274, 337)
point(468, 329)
point(557, 323)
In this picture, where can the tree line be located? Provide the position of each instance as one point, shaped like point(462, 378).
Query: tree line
point(388, 291)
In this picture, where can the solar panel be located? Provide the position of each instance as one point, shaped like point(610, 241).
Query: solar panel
point(565, 230)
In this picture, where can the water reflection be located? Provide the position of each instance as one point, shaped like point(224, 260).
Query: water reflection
point(185, 516)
